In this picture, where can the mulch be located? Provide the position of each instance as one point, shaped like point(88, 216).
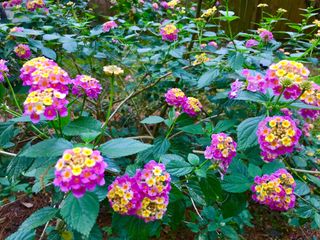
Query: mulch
point(268, 225)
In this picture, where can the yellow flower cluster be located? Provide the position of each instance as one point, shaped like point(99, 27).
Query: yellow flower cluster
point(151, 209)
point(209, 12)
point(173, 3)
point(202, 58)
point(280, 131)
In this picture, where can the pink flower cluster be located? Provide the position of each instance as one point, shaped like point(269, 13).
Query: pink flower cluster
point(107, 26)
point(255, 81)
point(11, 3)
point(87, 85)
point(311, 97)
point(277, 135)
point(221, 151)
point(275, 190)
point(16, 29)
point(35, 4)
point(145, 195)
point(289, 76)
point(251, 43)
point(236, 86)
point(177, 98)
point(22, 51)
point(265, 35)
point(41, 73)
point(48, 89)
point(3, 69)
point(48, 102)
point(79, 170)
point(169, 32)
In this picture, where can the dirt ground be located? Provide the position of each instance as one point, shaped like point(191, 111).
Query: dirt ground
point(268, 225)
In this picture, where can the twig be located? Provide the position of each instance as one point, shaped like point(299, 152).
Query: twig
point(195, 208)
point(197, 151)
point(44, 230)
point(141, 137)
point(306, 171)
point(8, 153)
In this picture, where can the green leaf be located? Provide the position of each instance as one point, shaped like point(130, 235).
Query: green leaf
point(247, 132)
point(121, 147)
point(49, 37)
point(317, 219)
point(39, 218)
point(48, 148)
point(81, 213)
point(178, 168)
point(49, 53)
point(195, 192)
point(152, 120)
point(192, 129)
point(25, 235)
point(269, 168)
point(252, 96)
point(211, 188)
point(224, 125)
point(236, 183)
point(229, 232)
point(7, 132)
point(17, 166)
point(254, 170)
point(208, 77)
point(86, 127)
point(193, 159)
point(236, 60)
point(301, 188)
point(70, 46)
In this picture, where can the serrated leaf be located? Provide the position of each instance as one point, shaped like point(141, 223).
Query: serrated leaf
point(236, 183)
point(208, 77)
point(121, 147)
point(301, 188)
point(81, 213)
point(39, 218)
point(85, 127)
point(25, 235)
point(178, 168)
point(49, 53)
point(48, 148)
point(247, 132)
point(269, 168)
point(254, 170)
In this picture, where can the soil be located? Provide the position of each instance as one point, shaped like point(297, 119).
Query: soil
point(268, 225)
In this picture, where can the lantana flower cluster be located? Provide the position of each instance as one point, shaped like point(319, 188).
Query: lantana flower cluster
point(265, 35)
point(3, 69)
point(275, 190)
point(177, 98)
point(221, 151)
point(255, 81)
point(277, 136)
point(107, 26)
point(22, 51)
point(311, 97)
point(145, 195)
point(201, 58)
point(288, 76)
point(11, 3)
point(209, 12)
point(41, 73)
point(35, 4)
point(169, 32)
point(86, 84)
point(48, 89)
point(79, 170)
point(48, 102)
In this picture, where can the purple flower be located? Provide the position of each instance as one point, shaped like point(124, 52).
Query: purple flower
point(192, 106)
point(277, 136)
point(22, 51)
point(221, 151)
point(169, 32)
point(77, 171)
point(265, 35)
point(236, 86)
point(3, 69)
point(275, 190)
point(87, 85)
point(251, 43)
point(175, 97)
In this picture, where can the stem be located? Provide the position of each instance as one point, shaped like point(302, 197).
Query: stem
point(171, 128)
point(83, 104)
point(105, 125)
point(306, 171)
point(13, 94)
point(60, 125)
